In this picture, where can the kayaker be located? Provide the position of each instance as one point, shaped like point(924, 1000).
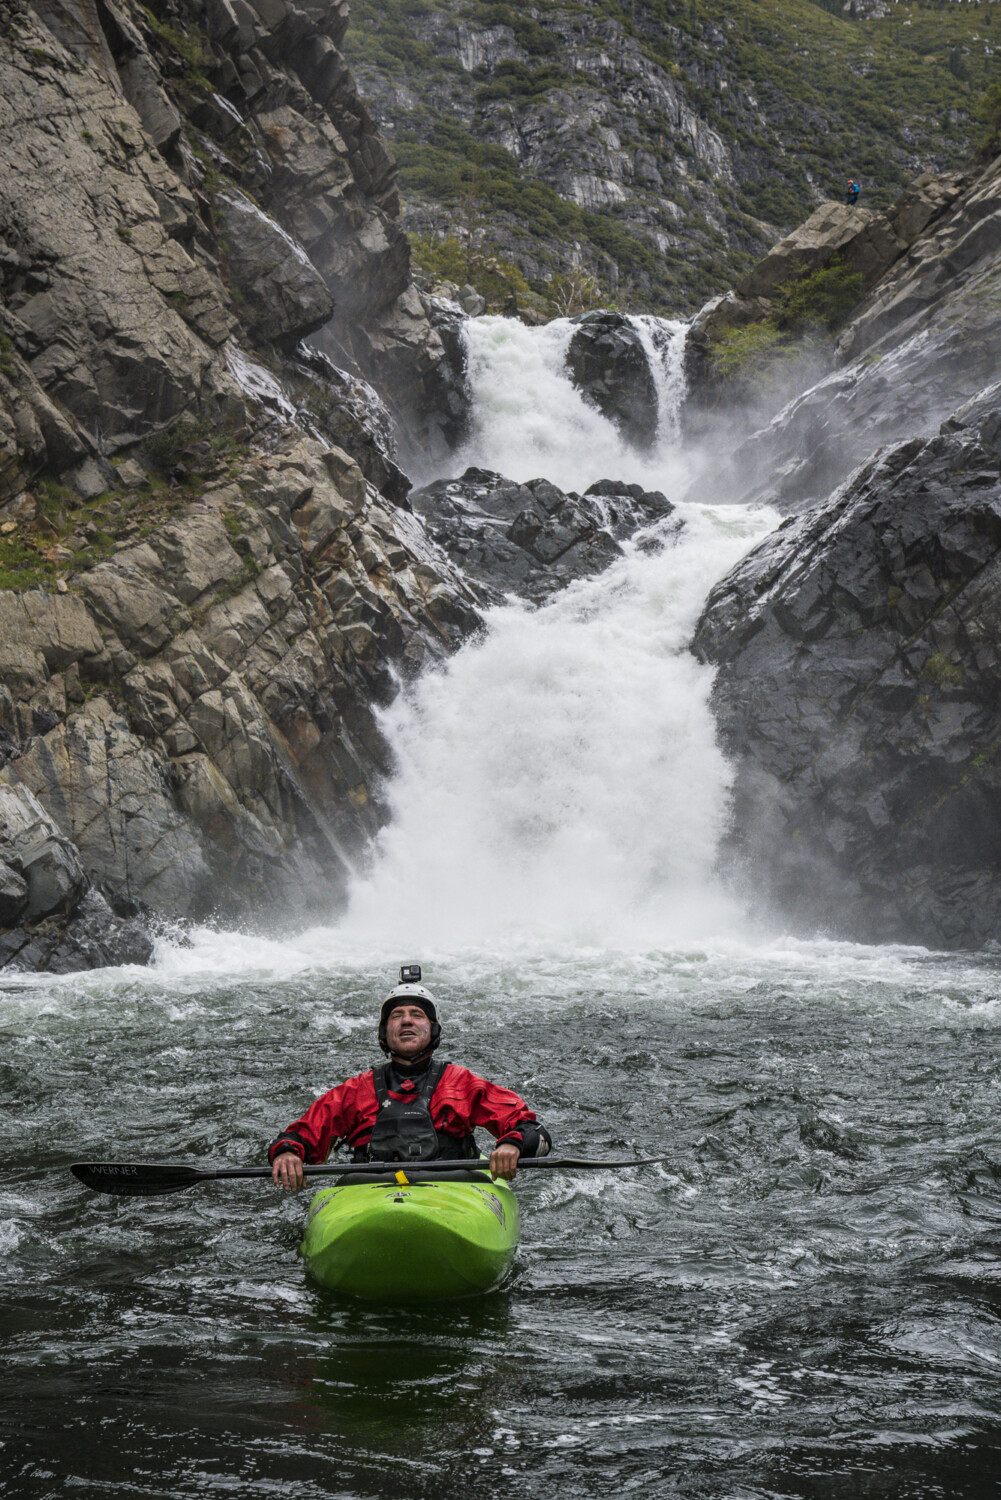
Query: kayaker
point(410, 1108)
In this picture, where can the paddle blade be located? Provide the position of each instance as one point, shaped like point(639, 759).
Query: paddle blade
point(573, 1164)
point(135, 1179)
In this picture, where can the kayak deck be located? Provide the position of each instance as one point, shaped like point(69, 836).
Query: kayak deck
point(412, 1241)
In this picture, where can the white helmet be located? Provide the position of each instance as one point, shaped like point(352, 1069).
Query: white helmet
point(410, 990)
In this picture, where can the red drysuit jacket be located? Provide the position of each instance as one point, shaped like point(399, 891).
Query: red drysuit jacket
point(459, 1103)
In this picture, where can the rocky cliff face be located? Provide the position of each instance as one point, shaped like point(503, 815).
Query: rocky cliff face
point(859, 690)
point(858, 684)
point(922, 341)
point(660, 146)
point(210, 575)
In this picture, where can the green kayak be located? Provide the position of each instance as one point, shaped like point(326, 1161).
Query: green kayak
point(412, 1239)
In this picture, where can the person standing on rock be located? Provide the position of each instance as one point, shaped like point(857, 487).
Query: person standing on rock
point(851, 197)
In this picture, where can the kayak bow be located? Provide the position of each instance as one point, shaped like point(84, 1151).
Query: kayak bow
point(415, 1240)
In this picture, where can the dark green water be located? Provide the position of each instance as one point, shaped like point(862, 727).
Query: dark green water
point(807, 1302)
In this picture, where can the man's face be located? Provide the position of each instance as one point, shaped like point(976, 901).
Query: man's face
point(408, 1031)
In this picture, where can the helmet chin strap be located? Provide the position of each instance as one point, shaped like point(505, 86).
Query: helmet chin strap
point(418, 1057)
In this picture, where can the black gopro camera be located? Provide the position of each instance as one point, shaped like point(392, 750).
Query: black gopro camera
point(410, 974)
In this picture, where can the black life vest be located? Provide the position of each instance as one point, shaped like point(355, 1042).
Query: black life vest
point(404, 1130)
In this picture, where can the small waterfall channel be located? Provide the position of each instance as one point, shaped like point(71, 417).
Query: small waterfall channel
point(529, 420)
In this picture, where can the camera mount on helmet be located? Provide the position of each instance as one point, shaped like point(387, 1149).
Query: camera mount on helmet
point(410, 991)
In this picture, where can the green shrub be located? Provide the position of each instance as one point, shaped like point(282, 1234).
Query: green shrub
point(163, 450)
point(821, 299)
point(572, 292)
point(22, 566)
point(473, 261)
point(988, 112)
point(744, 354)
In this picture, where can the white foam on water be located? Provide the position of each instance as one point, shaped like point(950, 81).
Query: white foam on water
point(560, 777)
point(530, 421)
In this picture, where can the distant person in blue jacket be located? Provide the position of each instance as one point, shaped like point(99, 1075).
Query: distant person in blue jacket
point(853, 192)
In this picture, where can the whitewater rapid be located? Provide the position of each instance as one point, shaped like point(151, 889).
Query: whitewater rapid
point(559, 780)
point(529, 421)
point(561, 777)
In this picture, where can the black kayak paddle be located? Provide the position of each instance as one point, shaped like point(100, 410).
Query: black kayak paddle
point(136, 1179)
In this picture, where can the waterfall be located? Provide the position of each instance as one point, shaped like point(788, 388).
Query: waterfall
point(529, 421)
point(559, 779)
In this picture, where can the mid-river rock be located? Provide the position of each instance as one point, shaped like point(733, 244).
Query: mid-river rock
point(609, 364)
point(859, 692)
point(532, 539)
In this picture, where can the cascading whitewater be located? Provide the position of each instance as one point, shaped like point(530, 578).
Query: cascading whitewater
point(559, 779)
point(529, 421)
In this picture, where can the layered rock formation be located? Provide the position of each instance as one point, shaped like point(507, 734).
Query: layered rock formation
point(859, 692)
point(196, 710)
point(51, 917)
point(923, 340)
point(212, 577)
point(858, 684)
point(529, 539)
point(863, 244)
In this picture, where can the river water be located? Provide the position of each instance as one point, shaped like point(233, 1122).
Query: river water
point(803, 1301)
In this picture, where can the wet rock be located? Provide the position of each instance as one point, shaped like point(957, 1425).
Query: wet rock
point(13, 894)
point(110, 793)
point(285, 294)
point(859, 691)
point(349, 413)
point(447, 394)
point(34, 847)
point(609, 364)
point(532, 539)
point(93, 938)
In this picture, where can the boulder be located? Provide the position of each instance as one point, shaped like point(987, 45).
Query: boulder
point(285, 297)
point(859, 694)
point(830, 228)
point(33, 847)
point(608, 363)
point(532, 539)
point(93, 938)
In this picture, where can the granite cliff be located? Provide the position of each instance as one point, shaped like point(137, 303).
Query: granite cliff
point(656, 146)
point(859, 683)
point(209, 573)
